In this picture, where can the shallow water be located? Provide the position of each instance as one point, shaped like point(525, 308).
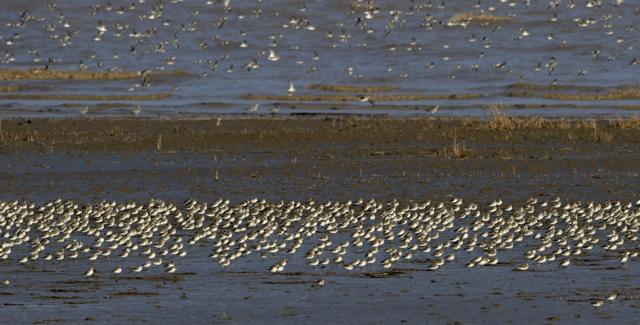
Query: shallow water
point(56, 292)
point(420, 54)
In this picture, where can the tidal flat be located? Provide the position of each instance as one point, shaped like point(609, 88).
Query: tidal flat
point(322, 160)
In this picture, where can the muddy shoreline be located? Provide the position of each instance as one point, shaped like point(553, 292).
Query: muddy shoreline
point(227, 132)
point(330, 158)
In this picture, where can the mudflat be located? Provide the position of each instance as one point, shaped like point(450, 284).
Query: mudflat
point(323, 159)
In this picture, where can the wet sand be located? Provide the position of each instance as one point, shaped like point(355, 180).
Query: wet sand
point(324, 159)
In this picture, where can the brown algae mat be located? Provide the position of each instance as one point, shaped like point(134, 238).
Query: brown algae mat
point(354, 98)
point(351, 89)
point(555, 87)
point(350, 93)
point(481, 18)
point(575, 92)
point(11, 88)
point(42, 74)
point(84, 97)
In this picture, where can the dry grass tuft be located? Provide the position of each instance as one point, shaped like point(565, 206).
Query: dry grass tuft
point(501, 122)
point(598, 134)
point(602, 136)
point(631, 123)
point(456, 151)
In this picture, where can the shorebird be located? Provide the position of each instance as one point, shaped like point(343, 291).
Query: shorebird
point(522, 267)
point(254, 108)
point(553, 63)
point(291, 89)
point(90, 272)
point(367, 99)
point(279, 266)
point(273, 57)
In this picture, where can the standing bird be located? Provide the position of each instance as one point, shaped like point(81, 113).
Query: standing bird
point(253, 109)
point(553, 63)
point(291, 89)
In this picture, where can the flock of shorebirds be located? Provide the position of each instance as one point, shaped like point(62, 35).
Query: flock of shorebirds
point(354, 236)
point(244, 36)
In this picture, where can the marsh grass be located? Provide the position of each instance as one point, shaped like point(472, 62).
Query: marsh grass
point(501, 122)
point(598, 134)
point(632, 123)
point(455, 151)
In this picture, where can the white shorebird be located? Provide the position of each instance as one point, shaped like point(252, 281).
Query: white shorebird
point(273, 57)
point(90, 272)
point(253, 108)
point(291, 89)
